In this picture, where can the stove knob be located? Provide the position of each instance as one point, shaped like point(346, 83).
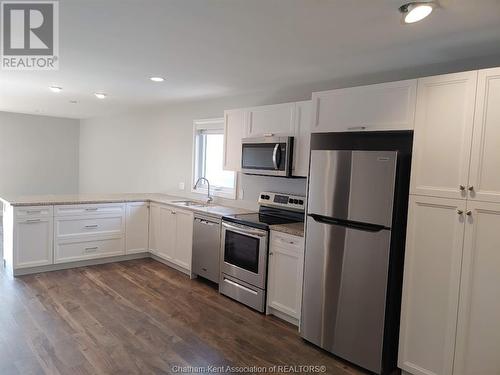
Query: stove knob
point(301, 201)
point(262, 196)
point(290, 200)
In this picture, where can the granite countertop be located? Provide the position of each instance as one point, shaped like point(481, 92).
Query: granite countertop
point(296, 229)
point(65, 199)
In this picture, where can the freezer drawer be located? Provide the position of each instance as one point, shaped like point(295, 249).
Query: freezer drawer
point(345, 285)
point(206, 248)
point(353, 185)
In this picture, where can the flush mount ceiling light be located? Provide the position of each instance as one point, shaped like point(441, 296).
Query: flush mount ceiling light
point(55, 88)
point(416, 10)
point(157, 79)
point(100, 95)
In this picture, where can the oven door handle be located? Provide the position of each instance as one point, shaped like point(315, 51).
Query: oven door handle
point(276, 160)
point(244, 231)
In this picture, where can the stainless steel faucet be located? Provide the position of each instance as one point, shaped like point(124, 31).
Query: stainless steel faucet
point(209, 198)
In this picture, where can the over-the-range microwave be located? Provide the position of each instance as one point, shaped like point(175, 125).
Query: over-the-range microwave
point(269, 156)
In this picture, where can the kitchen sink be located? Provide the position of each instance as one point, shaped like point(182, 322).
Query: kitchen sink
point(190, 203)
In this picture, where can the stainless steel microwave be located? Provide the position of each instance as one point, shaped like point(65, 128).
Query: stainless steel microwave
point(270, 156)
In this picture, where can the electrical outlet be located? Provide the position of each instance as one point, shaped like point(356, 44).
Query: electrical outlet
point(182, 185)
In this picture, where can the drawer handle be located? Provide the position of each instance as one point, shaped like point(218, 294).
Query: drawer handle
point(31, 221)
point(91, 209)
point(287, 241)
point(357, 128)
point(34, 211)
point(91, 249)
point(240, 286)
point(91, 226)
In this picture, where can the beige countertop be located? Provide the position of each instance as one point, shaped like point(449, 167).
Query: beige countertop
point(296, 229)
point(63, 199)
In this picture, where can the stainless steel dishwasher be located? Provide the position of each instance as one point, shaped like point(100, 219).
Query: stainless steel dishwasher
point(206, 247)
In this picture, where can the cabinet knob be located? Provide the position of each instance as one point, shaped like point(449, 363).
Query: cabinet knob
point(462, 187)
point(271, 253)
point(471, 188)
point(460, 212)
point(469, 213)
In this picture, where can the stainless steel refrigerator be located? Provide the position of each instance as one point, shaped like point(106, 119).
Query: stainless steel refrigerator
point(358, 186)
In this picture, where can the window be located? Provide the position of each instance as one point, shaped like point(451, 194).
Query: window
point(208, 159)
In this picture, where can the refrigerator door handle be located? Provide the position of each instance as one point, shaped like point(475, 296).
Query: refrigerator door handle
point(348, 223)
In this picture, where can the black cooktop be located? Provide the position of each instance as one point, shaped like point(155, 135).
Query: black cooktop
point(266, 217)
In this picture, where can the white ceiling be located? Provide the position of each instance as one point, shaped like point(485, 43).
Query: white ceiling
point(214, 48)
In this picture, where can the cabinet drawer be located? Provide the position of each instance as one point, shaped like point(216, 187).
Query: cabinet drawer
point(37, 211)
point(89, 209)
point(89, 226)
point(287, 240)
point(74, 251)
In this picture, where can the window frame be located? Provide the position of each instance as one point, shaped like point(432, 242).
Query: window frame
point(208, 125)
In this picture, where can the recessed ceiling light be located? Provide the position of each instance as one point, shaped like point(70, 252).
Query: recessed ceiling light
point(416, 11)
point(73, 101)
point(157, 79)
point(100, 95)
point(55, 88)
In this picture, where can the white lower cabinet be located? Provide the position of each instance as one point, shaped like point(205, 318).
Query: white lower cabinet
point(83, 232)
point(32, 243)
point(171, 234)
point(478, 332)
point(434, 243)
point(137, 227)
point(285, 274)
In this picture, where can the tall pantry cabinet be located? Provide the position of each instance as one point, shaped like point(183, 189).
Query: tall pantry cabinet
point(452, 265)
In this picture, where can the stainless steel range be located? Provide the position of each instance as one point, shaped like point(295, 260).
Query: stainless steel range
point(244, 247)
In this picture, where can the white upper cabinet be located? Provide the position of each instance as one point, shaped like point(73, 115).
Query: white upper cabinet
point(478, 335)
point(386, 106)
point(484, 179)
point(443, 135)
point(277, 119)
point(234, 131)
point(136, 223)
point(303, 138)
point(434, 242)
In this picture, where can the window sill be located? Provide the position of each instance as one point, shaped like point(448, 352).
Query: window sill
point(227, 194)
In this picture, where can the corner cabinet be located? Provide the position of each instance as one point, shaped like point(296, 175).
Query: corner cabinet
point(137, 227)
point(171, 235)
point(385, 106)
point(33, 237)
point(285, 274)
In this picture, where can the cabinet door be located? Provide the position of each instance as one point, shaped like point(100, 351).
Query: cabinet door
point(443, 135)
point(184, 239)
point(386, 106)
point(478, 336)
point(484, 181)
point(234, 131)
point(271, 119)
point(33, 240)
point(286, 263)
point(302, 140)
point(136, 227)
point(167, 233)
point(431, 285)
point(154, 228)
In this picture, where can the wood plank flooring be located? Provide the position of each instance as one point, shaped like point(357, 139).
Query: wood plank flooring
point(138, 317)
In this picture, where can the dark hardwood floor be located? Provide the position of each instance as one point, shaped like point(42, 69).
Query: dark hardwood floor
point(138, 317)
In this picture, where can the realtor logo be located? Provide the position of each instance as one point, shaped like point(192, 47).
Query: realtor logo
point(30, 35)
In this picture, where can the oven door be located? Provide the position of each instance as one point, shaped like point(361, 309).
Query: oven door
point(244, 253)
point(267, 156)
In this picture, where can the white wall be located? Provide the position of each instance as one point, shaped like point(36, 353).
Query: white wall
point(151, 151)
point(38, 154)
